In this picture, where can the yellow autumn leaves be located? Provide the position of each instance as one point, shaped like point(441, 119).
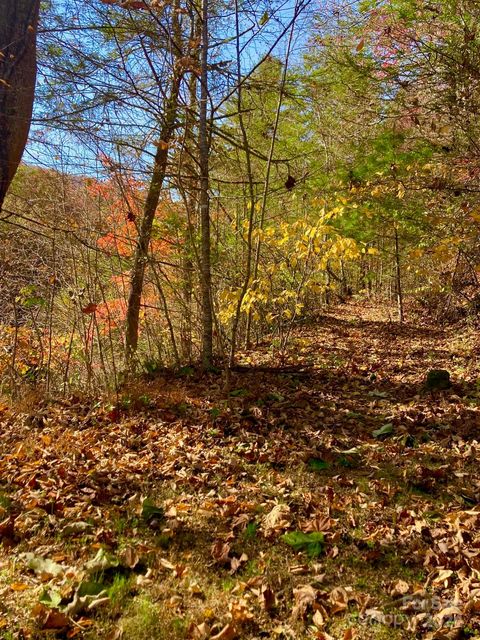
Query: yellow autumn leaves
point(297, 256)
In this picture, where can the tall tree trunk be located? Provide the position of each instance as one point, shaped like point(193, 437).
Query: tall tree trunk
point(191, 194)
point(398, 279)
point(204, 200)
point(145, 230)
point(18, 67)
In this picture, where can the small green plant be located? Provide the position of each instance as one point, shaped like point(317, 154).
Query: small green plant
point(228, 584)
point(125, 403)
point(163, 540)
point(145, 620)
point(310, 543)
point(121, 524)
point(251, 530)
point(186, 371)
point(251, 569)
point(119, 592)
point(151, 367)
point(150, 511)
point(384, 431)
point(5, 502)
point(317, 464)
point(215, 412)
point(238, 393)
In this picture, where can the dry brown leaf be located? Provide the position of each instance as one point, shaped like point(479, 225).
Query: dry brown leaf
point(323, 635)
point(304, 597)
point(322, 524)
point(443, 577)
point(228, 632)
point(277, 520)
point(50, 618)
point(446, 634)
point(339, 599)
point(130, 557)
point(448, 612)
point(180, 570)
point(240, 612)
point(115, 634)
point(166, 564)
point(220, 552)
point(267, 598)
point(199, 631)
point(318, 619)
point(299, 569)
point(398, 588)
point(236, 563)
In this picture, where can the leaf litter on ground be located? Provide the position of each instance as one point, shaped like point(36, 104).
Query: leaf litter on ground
point(318, 502)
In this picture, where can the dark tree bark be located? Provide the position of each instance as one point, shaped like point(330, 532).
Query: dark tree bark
point(140, 260)
point(398, 279)
point(204, 200)
point(145, 230)
point(18, 66)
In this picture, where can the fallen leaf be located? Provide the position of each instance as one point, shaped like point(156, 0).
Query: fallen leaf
point(44, 567)
point(267, 598)
point(318, 619)
point(277, 520)
point(50, 618)
point(228, 632)
point(339, 599)
point(399, 588)
point(19, 586)
point(236, 563)
point(199, 631)
point(304, 596)
point(240, 612)
point(220, 552)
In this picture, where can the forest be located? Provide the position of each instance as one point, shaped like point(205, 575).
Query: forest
point(240, 285)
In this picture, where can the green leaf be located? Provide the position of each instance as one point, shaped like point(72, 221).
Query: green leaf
point(238, 393)
point(51, 598)
point(34, 301)
point(311, 543)
point(317, 464)
point(215, 412)
point(150, 510)
point(90, 588)
point(351, 461)
point(384, 431)
point(251, 531)
point(264, 19)
point(275, 396)
point(101, 562)
point(354, 414)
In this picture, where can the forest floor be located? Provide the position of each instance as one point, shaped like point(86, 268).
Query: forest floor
point(334, 497)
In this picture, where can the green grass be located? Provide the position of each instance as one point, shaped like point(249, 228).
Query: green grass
point(146, 620)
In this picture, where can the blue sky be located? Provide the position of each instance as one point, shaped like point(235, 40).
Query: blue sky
point(73, 24)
